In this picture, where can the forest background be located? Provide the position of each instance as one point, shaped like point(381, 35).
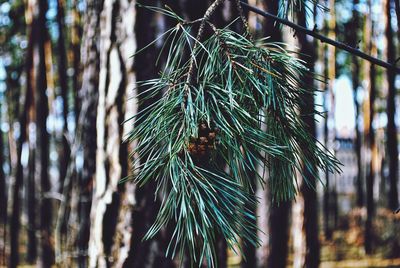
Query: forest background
point(67, 80)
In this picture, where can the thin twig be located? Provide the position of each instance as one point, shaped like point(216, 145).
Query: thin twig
point(200, 33)
point(244, 19)
point(322, 38)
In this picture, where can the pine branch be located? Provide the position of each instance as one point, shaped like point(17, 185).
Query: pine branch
point(322, 38)
point(200, 138)
point(200, 33)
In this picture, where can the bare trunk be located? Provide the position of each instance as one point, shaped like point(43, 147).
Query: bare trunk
point(30, 204)
point(3, 198)
point(88, 97)
point(308, 188)
point(370, 134)
point(279, 213)
point(64, 151)
point(42, 139)
point(356, 84)
point(116, 76)
point(14, 224)
point(76, 35)
point(3, 187)
point(150, 253)
point(279, 234)
point(392, 143)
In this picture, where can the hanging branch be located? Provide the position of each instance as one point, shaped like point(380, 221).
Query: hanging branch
point(200, 33)
point(207, 129)
point(322, 38)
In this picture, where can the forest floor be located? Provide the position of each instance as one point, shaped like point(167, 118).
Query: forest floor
point(344, 250)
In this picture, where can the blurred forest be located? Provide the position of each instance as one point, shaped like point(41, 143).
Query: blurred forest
point(67, 80)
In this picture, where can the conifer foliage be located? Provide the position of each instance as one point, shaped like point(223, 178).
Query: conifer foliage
point(231, 106)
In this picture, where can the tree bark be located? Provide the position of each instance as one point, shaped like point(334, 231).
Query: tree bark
point(370, 137)
point(42, 152)
point(392, 143)
point(150, 253)
point(76, 35)
point(116, 71)
point(308, 189)
point(279, 213)
point(17, 172)
point(64, 151)
point(356, 84)
point(30, 204)
point(88, 97)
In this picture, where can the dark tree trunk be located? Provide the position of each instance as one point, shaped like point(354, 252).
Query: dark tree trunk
point(150, 253)
point(370, 178)
point(397, 9)
point(3, 199)
point(42, 151)
point(371, 172)
point(279, 234)
point(392, 143)
point(88, 98)
point(279, 213)
point(75, 46)
point(356, 83)
point(30, 204)
point(3, 186)
point(64, 151)
point(327, 196)
point(14, 224)
point(308, 189)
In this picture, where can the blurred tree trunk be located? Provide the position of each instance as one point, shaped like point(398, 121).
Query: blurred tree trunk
point(370, 134)
point(64, 151)
point(397, 9)
point(355, 74)
point(392, 143)
point(17, 168)
point(30, 199)
point(327, 97)
point(150, 253)
point(3, 184)
point(75, 54)
point(278, 213)
point(14, 224)
point(117, 45)
point(3, 187)
point(88, 98)
point(3, 197)
point(42, 138)
point(308, 189)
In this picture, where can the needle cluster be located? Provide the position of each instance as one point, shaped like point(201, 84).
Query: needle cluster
point(239, 112)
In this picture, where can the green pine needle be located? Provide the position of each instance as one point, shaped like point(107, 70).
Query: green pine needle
point(251, 93)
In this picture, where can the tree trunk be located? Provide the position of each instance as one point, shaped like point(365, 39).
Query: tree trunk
point(14, 225)
point(370, 137)
point(308, 190)
point(42, 139)
point(279, 213)
point(392, 143)
point(356, 84)
point(64, 151)
point(30, 204)
point(87, 134)
point(76, 35)
point(327, 97)
point(116, 76)
point(3, 197)
point(150, 253)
